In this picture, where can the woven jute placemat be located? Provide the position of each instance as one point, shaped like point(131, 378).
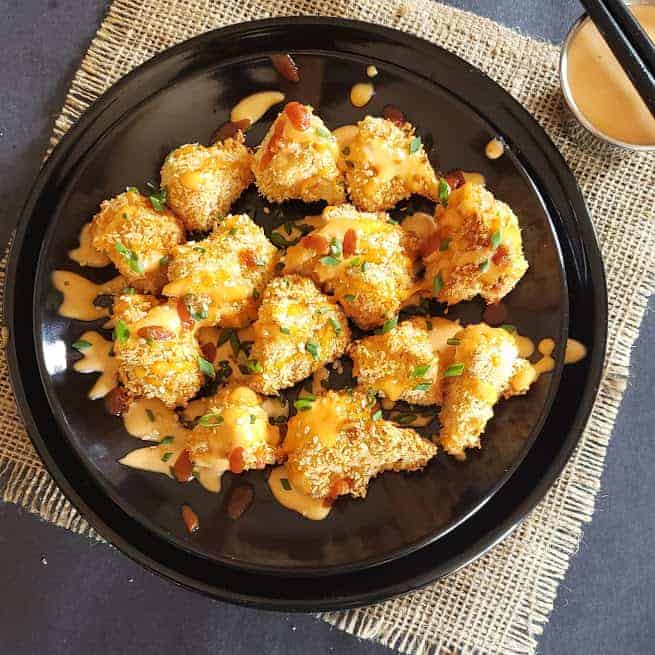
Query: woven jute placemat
point(500, 603)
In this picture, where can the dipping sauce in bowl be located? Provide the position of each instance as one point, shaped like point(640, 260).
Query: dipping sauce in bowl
point(598, 91)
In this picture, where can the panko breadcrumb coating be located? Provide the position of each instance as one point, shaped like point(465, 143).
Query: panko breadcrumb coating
point(384, 164)
point(222, 277)
point(399, 365)
point(485, 366)
point(234, 433)
point(476, 248)
point(336, 446)
point(298, 330)
point(136, 238)
point(157, 357)
point(364, 259)
point(203, 182)
point(298, 159)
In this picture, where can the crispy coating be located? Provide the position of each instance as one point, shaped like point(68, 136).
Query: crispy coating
point(298, 331)
point(157, 357)
point(476, 248)
point(223, 276)
point(136, 237)
point(373, 278)
point(384, 164)
point(335, 447)
point(235, 420)
point(301, 164)
point(398, 365)
point(202, 183)
point(491, 368)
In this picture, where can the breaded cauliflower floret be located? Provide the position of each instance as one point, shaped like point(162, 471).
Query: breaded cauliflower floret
point(202, 183)
point(234, 433)
point(335, 446)
point(476, 248)
point(298, 331)
point(222, 277)
point(384, 164)
point(298, 159)
point(485, 366)
point(364, 259)
point(157, 357)
point(399, 365)
point(136, 238)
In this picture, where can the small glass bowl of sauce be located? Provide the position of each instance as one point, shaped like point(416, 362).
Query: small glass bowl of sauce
point(604, 109)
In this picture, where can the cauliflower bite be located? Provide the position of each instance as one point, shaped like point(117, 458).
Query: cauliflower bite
point(202, 183)
point(157, 357)
point(298, 159)
point(364, 259)
point(234, 433)
point(335, 446)
point(485, 366)
point(384, 164)
point(136, 238)
point(297, 332)
point(222, 277)
point(399, 364)
point(476, 248)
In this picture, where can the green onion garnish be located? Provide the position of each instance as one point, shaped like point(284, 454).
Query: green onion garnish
point(286, 485)
point(206, 367)
point(210, 419)
point(454, 370)
point(121, 333)
point(81, 345)
point(437, 284)
point(414, 145)
point(312, 349)
point(495, 239)
point(444, 192)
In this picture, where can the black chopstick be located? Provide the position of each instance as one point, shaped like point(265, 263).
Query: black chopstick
point(629, 43)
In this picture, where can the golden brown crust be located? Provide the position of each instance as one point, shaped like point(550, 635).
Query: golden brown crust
point(202, 182)
point(136, 237)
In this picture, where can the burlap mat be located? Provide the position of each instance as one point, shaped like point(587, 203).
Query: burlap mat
point(500, 603)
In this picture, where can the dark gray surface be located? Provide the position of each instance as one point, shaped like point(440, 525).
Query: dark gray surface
point(89, 598)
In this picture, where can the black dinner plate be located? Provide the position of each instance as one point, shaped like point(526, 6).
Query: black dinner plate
point(181, 96)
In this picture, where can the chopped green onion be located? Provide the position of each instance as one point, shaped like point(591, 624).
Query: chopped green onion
point(312, 349)
point(121, 333)
point(406, 419)
point(355, 261)
point(444, 192)
point(133, 189)
point(81, 345)
point(335, 247)
point(454, 370)
point(285, 330)
point(252, 366)
point(206, 367)
point(210, 419)
point(158, 200)
point(377, 416)
point(423, 386)
point(414, 145)
point(444, 245)
point(130, 257)
point(130, 291)
point(349, 297)
point(329, 261)
point(255, 294)
point(286, 485)
point(453, 341)
point(324, 132)
point(279, 241)
point(420, 371)
point(335, 325)
point(253, 419)
point(389, 325)
point(495, 239)
point(199, 249)
point(150, 414)
point(303, 404)
point(167, 439)
point(163, 261)
point(437, 284)
point(166, 456)
point(363, 267)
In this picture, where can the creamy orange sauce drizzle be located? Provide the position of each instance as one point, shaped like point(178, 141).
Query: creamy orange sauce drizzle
point(575, 351)
point(371, 71)
point(254, 106)
point(79, 294)
point(344, 135)
point(361, 94)
point(85, 254)
point(601, 89)
point(525, 345)
point(309, 507)
point(97, 359)
point(494, 149)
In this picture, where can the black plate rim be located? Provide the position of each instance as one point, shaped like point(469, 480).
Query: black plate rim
point(497, 534)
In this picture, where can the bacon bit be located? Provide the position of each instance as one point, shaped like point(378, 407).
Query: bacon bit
point(236, 460)
point(393, 114)
point(240, 500)
point(495, 315)
point(340, 487)
point(317, 243)
point(155, 332)
point(298, 115)
point(117, 401)
point(229, 129)
point(500, 255)
point(286, 67)
point(273, 142)
point(248, 258)
point(183, 313)
point(208, 351)
point(349, 242)
point(191, 519)
point(455, 179)
point(183, 467)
